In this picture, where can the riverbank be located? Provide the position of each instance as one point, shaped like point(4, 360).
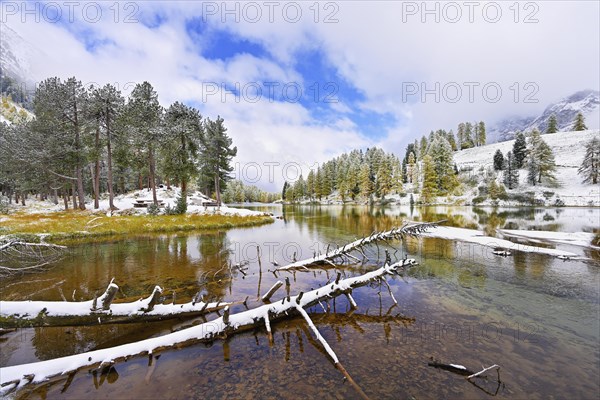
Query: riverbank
point(67, 225)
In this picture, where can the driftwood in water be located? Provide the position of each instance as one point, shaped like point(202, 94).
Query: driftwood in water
point(100, 310)
point(15, 377)
point(330, 256)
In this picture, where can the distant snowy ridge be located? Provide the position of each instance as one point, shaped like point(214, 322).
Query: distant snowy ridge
point(586, 101)
point(569, 151)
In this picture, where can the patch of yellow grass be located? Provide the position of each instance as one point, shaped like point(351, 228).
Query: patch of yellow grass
point(77, 224)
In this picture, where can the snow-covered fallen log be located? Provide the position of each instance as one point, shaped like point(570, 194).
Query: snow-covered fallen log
point(330, 256)
point(98, 311)
point(15, 377)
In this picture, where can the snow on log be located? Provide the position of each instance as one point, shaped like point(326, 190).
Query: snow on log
point(408, 229)
point(15, 377)
point(100, 310)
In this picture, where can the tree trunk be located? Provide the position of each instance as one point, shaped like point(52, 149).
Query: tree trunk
point(74, 196)
point(96, 176)
point(55, 196)
point(66, 197)
point(78, 168)
point(152, 174)
point(111, 193)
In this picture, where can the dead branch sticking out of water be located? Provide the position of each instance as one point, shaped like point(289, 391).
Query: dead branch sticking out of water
point(18, 257)
point(339, 253)
point(16, 377)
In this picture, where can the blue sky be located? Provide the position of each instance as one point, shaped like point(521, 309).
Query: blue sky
point(302, 90)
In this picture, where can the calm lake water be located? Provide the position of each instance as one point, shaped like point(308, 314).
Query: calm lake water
point(536, 316)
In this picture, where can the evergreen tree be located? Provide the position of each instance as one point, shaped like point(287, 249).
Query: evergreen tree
point(532, 171)
point(284, 190)
point(310, 184)
point(423, 147)
point(460, 135)
point(385, 177)
point(552, 124)
point(300, 188)
point(441, 155)
point(590, 166)
point(396, 174)
point(411, 167)
point(429, 190)
point(498, 160)
point(183, 136)
point(452, 141)
point(106, 105)
point(519, 150)
point(511, 171)
point(144, 118)
point(217, 152)
point(467, 142)
point(481, 134)
point(364, 181)
point(579, 124)
point(541, 159)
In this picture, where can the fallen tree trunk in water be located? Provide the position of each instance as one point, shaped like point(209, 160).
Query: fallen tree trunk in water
point(15, 377)
point(408, 229)
point(100, 310)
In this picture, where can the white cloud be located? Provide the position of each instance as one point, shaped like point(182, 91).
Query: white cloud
point(371, 47)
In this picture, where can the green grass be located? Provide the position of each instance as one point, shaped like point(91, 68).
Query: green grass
point(70, 225)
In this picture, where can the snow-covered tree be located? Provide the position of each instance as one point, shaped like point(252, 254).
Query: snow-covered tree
point(590, 166)
point(511, 171)
point(519, 150)
point(441, 155)
point(552, 124)
point(106, 106)
point(429, 190)
point(579, 124)
point(498, 160)
point(183, 136)
point(217, 152)
point(143, 115)
point(540, 160)
point(364, 181)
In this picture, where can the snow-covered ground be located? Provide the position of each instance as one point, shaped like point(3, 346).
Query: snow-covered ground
point(569, 150)
point(125, 203)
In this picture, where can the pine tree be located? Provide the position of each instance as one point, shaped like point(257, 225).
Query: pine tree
point(429, 190)
point(498, 160)
point(365, 184)
point(144, 120)
point(184, 135)
point(310, 185)
point(519, 150)
point(300, 188)
point(422, 147)
point(511, 172)
point(481, 134)
point(384, 178)
point(284, 190)
point(411, 167)
point(441, 154)
point(540, 159)
point(579, 124)
point(532, 171)
point(467, 142)
point(107, 104)
point(590, 166)
point(452, 140)
point(552, 124)
point(460, 135)
point(217, 152)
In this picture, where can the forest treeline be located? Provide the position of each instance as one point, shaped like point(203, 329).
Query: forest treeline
point(93, 140)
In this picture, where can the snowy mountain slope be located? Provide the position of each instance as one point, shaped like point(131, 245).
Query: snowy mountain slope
point(16, 55)
point(565, 110)
point(568, 149)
